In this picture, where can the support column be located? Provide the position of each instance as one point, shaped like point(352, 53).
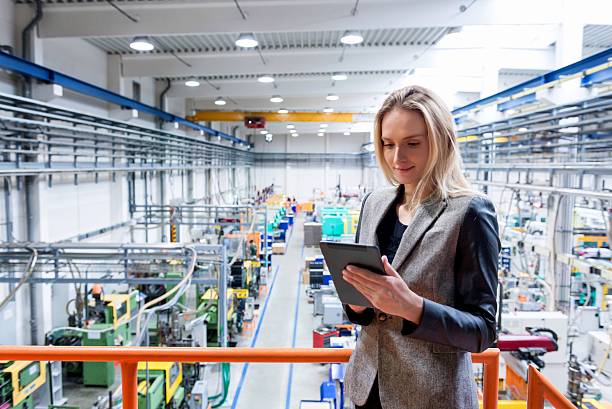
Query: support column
point(207, 187)
point(568, 48)
point(162, 201)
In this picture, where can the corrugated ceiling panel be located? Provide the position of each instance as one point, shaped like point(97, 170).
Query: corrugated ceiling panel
point(282, 40)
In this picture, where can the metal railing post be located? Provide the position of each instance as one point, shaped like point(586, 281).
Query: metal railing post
point(539, 389)
point(490, 380)
point(129, 384)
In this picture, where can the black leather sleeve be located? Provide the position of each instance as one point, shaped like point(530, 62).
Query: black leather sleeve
point(364, 318)
point(470, 324)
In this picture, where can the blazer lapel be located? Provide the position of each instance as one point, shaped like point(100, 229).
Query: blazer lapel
point(381, 207)
point(423, 219)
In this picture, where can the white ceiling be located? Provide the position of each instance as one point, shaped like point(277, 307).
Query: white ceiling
point(300, 45)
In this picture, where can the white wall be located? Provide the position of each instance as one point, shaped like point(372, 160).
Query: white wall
point(79, 59)
point(7, 37)
point(303, 180)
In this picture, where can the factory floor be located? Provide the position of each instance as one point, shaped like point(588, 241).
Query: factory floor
point(286, 321)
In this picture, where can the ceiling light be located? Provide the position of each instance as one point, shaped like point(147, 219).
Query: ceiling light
point(276, 98)
point(339, 77)
point(220, 101)
point(295, 135)
point(347, 133)
point(263, 132)
point(351, 38)
point(141, 43)
point(320, 134)
point(323, 126)
point(192, 82)
point(283, 111)
point(328, 110)
point(246, 40)
point(290, 126)
point(266, 79)
point(293, 131)
point(332, 97)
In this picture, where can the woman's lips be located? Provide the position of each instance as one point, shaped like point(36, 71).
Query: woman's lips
point(404, 170)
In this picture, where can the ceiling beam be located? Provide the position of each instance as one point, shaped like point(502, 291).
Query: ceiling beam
point(216, 16)
point(325, 60)
point(237, 116)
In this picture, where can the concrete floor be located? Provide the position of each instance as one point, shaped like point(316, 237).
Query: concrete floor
point(284, 320)
point(287, 322)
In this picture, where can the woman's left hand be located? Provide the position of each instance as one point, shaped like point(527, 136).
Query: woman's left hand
point(388, 293)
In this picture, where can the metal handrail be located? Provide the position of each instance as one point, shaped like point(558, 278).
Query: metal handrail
point(129, 357)
point(539, 389)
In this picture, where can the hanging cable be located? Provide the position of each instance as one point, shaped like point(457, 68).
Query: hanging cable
point(182, 283)
point(354, 10)
point(242, 13)
point(120, 10)
point(26, 276)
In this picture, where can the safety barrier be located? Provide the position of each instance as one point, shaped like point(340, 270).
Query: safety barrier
point(540, 388)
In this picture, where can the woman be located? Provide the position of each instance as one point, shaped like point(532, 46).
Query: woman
point(440, 245)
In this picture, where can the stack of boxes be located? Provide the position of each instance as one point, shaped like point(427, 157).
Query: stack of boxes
point(313, 233)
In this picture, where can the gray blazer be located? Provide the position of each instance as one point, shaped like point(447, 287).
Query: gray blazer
point(448, 255)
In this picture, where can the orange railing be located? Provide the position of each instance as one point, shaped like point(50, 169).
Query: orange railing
point(490, 376)
point(539, 388)
point(128, 357)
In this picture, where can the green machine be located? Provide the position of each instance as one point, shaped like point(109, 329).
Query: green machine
point(162, 386)
point(18, 382)
point(108, 324)
point(99, 373)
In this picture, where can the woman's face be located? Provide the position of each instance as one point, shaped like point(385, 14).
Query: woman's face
point(405, 145)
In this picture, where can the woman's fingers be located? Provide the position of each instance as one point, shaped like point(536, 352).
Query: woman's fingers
point(389, 269)
point(366, 275)
point(362, 287)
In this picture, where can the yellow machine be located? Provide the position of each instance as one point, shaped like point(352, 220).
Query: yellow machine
point(26, 377)
point(173, 376)
point(120, 305)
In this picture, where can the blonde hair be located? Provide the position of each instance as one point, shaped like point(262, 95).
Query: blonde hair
point(442, 177)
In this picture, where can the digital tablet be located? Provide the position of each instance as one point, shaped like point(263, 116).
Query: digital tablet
point(339, 255)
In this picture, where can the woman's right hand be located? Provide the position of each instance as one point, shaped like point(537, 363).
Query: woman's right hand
point(357, 308)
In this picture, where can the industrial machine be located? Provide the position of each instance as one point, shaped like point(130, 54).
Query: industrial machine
point(18, 381)
point(107, 324)
point(160, 385)
point(236, 303)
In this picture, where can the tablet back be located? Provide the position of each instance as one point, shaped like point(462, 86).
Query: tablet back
point(339, 255)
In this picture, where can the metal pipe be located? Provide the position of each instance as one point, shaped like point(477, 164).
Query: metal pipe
point(7, 210)
point(550, 189)
point(26, 45)
point(162, 101)
point(25, 67)
point(7, 49)
point(600, 166)
point(222, 297)
point(162, 199)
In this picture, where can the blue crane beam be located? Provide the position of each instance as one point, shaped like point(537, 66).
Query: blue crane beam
point(24, 67)
point(586, 63)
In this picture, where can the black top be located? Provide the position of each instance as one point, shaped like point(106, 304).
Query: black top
point(389, 233)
